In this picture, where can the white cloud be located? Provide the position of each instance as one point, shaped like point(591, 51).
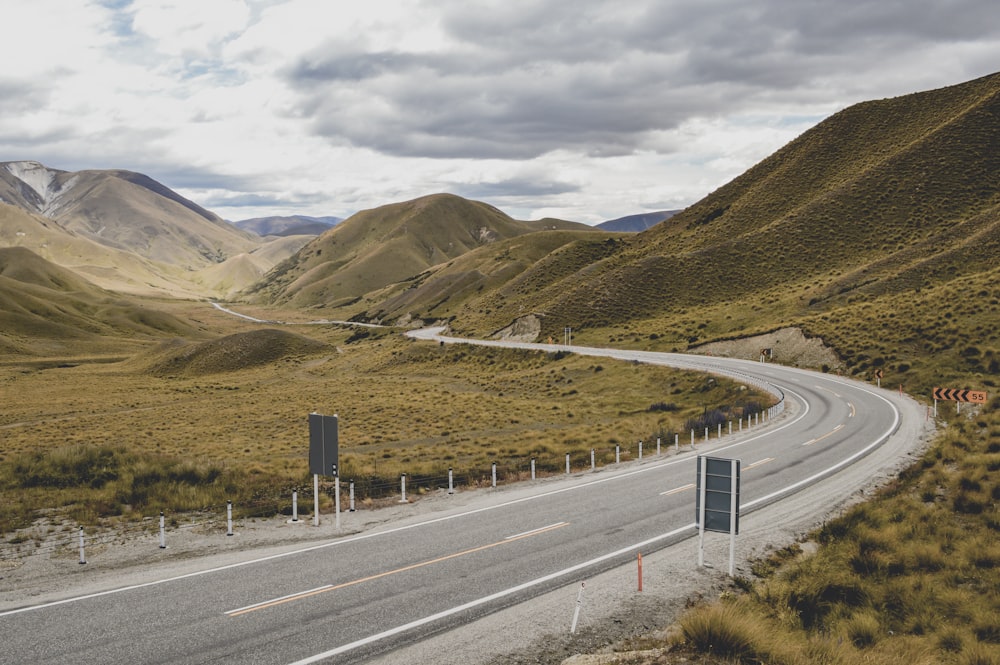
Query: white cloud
point(587, 110)
point(180, 27)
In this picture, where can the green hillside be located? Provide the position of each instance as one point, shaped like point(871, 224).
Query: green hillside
point(444, 292)
point(386, 245)
point(886, 206)
point(45, 309)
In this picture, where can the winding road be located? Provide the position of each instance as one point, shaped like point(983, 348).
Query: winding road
point(387, 590)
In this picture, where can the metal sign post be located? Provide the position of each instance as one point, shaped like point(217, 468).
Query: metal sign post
point(717, 505)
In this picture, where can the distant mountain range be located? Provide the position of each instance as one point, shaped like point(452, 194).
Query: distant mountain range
point(292, 225)
point(126, 232)
point(636, 223)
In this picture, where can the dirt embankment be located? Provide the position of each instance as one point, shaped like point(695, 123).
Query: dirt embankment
point(788, 346)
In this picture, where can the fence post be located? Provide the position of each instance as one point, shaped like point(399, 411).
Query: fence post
point(229, 518)
point(163, 536)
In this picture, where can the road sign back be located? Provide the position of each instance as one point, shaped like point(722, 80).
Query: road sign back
point(323, 445)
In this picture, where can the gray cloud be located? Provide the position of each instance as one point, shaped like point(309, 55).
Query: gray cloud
point(599, 78)
point(512, 188)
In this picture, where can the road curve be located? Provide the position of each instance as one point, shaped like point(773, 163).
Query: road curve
point(353, 598)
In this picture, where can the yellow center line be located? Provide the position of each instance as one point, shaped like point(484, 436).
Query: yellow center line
point(333, 587)
point(758, 463)
point(677, 490)
point(820, 438)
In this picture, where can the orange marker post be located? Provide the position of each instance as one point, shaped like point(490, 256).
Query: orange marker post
point(640, 571)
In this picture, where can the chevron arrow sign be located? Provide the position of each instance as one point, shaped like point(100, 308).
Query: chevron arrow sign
point(958, 395)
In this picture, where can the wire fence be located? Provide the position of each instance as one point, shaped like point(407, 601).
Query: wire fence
point(62, 538)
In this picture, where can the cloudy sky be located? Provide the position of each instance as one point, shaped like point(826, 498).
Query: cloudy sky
point(585, 110)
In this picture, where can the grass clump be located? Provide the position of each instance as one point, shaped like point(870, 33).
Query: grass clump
point(908, 577)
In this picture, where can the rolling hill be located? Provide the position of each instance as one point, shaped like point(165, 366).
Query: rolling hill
point(46, 309)
point(387, 245)
point(885, 203)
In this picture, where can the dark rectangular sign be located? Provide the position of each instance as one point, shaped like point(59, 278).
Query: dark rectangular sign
point(323, 445)
point(718, 494)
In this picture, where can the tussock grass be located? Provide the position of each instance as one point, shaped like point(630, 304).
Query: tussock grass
point(911, 576)
point(120, 439)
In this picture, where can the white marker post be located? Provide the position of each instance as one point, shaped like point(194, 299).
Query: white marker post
point(163, 537)
point(295, 505)
point(229, 518)
point(336, 501)
point(315, 499)
point(579, 603)
point(83, 559)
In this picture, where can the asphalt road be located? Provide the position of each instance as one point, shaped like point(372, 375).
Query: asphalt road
point(352, 598)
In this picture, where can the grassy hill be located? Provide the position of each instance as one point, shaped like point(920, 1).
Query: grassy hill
point(239, 351)
point(387, 245)
point(446, 291)
point(49, 310)
point(888, 206)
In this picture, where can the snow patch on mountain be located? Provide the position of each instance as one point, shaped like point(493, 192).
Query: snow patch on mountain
point(41, 180)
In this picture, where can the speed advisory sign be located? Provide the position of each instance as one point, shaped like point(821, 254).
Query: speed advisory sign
point(959, 395)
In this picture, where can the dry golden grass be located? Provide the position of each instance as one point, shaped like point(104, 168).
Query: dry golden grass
point(405, 407)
